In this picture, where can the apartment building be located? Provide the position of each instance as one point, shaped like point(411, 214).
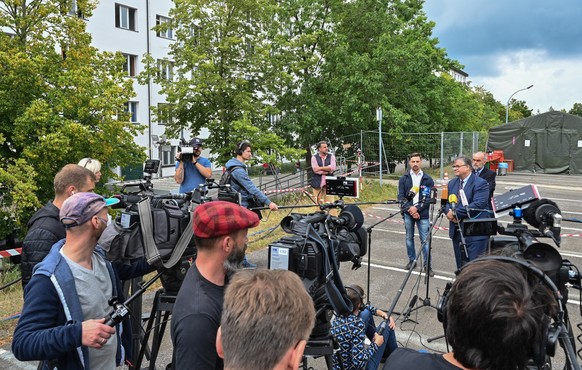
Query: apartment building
point(126, 26)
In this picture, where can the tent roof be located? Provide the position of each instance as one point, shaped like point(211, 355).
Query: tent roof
point(558, 119)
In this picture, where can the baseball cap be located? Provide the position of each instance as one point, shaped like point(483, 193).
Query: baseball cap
point(80, 207)
point(217, 218)
point(196, 142)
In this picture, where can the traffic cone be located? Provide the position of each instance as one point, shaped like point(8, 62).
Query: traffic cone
point(446, 177)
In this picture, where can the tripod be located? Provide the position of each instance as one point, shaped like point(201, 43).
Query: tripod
point(426, 300)
point(369, 230)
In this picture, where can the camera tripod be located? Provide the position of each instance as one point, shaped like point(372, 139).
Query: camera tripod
point(426, 301)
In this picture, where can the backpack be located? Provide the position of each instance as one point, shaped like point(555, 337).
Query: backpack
point(229, 195)
point(227, 176)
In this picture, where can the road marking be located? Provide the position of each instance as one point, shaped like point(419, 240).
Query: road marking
point(436, 276)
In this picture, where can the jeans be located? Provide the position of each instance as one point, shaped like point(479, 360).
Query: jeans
point(422, 224)
point(386, 348)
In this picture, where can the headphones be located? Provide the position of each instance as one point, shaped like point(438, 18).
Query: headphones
point(240, 147)
point(358, 294)
point(550, 331)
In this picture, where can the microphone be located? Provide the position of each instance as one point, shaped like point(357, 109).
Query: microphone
point(410, 306)
point(444, 197)
point(411, 193)
point(382, 327)
point(426, 194)
point(453, 201)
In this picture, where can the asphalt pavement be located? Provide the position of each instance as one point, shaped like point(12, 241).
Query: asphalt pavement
point(389, 283)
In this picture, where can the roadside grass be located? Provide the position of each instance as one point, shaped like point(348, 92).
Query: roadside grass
point(267, 232)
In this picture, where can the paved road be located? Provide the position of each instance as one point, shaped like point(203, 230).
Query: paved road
point(388, 257)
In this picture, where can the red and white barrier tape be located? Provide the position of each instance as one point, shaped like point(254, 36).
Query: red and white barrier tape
point(10, 253)
point(289, 190)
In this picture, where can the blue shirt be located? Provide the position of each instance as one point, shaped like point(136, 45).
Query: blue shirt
point(350, 334)
point(193, 177)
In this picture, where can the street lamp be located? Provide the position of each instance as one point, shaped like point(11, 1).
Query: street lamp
point(507, 105)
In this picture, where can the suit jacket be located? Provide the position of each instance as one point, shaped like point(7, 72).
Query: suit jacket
point(476, 190)
point(489, 176)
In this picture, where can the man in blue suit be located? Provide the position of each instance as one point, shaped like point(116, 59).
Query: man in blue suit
point(472, 193)
point(485, 173)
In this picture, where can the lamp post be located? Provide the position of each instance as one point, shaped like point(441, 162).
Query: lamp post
point(507, 105)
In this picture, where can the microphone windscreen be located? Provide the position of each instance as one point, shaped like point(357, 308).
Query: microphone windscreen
point(453, 198)
point(414, 190)
point(445, 193)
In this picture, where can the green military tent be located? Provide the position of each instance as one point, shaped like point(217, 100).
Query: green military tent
point(550, 142)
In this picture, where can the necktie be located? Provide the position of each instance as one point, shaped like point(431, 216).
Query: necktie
point(462, 184)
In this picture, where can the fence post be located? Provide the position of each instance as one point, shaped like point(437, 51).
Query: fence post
point(379, 116)
point(442, 154)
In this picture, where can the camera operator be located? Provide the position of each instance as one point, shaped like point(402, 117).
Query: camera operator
point(251, 196)
point(66, 300)
point(472, 192)
point(192, 169)
point(220, 233)
point(493, 319)
point(350, 332)
point(266, 321)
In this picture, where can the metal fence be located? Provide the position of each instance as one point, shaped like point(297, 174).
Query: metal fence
point(389, 155)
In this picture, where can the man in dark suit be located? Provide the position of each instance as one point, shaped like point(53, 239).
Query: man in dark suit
point(484, 173)
point(472, 192)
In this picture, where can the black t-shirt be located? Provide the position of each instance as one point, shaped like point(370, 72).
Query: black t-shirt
point(405, 359)
point(195, 321)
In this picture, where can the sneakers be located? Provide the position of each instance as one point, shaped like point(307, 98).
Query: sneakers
point(407, 267)
point(430, 271)
point(247, 265)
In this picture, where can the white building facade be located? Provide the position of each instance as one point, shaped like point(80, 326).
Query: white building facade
point(127, 26)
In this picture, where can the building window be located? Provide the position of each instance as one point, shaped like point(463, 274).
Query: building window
point(164, 113)
point(125, 17)
point(168, 154)
point(130, 65)
point(131, 108)
point(196, 33)
point(167, 33)
point(165, 69)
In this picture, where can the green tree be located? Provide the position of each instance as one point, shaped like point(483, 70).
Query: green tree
point(576, 109)
point(518, 109)
point(222, 57)
point(60, 99)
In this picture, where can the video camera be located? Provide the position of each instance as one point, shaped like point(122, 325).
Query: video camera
point(516, 239)
point(319, 242)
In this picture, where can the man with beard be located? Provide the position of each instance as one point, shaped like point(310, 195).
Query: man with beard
point(220, 232)
point(414, 211)
point(485, 173)
point(66, 301)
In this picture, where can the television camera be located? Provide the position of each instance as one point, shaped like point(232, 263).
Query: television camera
point(318, 243)
point(517, 240)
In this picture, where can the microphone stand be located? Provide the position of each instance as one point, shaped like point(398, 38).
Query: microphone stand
point(463, 244)
point(369, 230)
point(426, 300)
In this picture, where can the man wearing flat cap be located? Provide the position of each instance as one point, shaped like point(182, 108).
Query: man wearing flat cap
point(220, 232)
point(192, 169)
point(66, 300)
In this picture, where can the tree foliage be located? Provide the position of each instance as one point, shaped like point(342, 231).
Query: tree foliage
point(576, 109)
point(60, 100)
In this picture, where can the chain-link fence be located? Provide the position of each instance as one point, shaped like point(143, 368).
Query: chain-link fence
point(438, 149)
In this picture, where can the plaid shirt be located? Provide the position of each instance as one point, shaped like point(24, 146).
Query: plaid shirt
point(350, 333)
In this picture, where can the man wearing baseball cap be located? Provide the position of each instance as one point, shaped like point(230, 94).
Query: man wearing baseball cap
point(66, 301)
point(192, 169)
point(220, 232)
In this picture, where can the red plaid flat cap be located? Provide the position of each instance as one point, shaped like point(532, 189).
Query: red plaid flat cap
point(217, 218)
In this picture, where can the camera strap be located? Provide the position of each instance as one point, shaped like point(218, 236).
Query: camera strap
point(147, 232)
point(334, 287)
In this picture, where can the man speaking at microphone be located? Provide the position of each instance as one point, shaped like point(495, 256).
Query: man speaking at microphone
point(468, 196)
point(415, 208)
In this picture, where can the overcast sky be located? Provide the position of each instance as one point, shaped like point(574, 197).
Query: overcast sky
point(506, 45)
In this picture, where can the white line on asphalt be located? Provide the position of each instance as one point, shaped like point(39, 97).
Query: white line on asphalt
point(436, 276)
